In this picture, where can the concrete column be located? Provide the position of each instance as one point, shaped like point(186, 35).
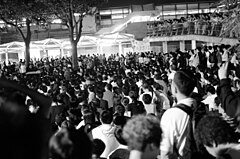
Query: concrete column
point(194, 44)
point(165, 47)
point(182, 46)
point(101, 49)
point(6, 54)
point(120, 48)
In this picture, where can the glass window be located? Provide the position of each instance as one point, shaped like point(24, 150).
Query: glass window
point(168, 7)
point(106, 22)
point(181, 6)
point(117, 16)
point(192, 6)
point(159, 8)
point(117, 11)
point(204, 5)
point(105, 17)
point(105, 12)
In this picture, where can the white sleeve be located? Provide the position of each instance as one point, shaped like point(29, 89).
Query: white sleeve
point(168, 135)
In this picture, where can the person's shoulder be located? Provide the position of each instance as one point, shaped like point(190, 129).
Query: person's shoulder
point(173, 114)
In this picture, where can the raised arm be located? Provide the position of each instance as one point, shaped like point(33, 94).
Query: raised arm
point(229, 100)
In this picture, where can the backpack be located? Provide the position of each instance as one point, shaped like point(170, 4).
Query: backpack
point(213, 57)
point(192, 152)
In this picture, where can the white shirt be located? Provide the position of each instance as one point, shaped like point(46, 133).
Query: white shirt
point(105, 132)
point(210, 101)
point(174, 124)
point(150, 108)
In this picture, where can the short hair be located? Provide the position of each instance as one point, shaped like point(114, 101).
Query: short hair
point(70, 144)
point(158, 76)
point(125, 90)
point(98, 147)
point(213, 129)
point(109, 87)
point(142, 130)
point(106, 117)
point(147, 99)
point(118, 133)
point(211, 89)
point(91, 88)
point(120, 110)
point(185, 82)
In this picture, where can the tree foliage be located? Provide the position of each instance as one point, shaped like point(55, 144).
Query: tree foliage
point(18, 13)
point(72, 12)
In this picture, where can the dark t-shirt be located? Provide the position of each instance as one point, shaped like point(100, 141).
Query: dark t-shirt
point(120, 154)
point(136, 108)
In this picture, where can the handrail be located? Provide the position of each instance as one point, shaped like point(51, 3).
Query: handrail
point(217, 29)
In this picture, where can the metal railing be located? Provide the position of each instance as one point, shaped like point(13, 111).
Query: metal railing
point(218, 29)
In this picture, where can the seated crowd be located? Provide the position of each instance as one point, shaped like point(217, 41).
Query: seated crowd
point(137, 106)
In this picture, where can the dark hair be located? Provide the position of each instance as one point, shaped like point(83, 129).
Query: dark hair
point(211, 89)
point(91, 88)
point(109, 87)
point(120, 110)
point(213, 129)
point(185, 82)
point(70, 144)
point(106, 117)
point(118, 134)
point(98, 147)
point(147, 99)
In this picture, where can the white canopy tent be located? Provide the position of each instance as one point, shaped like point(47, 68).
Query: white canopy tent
point(56, 46)
point(16, 48)
point(114, 39)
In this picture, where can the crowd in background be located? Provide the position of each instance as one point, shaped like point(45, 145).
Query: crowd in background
point(222, 24)
point(141, 105)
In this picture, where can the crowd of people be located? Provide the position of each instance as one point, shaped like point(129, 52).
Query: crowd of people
point(222, 24)
point(137, 106)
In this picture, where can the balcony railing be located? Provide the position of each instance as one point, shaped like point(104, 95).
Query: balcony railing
point(218, 29)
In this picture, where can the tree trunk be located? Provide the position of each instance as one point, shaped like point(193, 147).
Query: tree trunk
point(74, 56)
point(27, 52)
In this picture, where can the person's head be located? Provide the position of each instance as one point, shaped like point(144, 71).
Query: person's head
point(91, 88)
point(125, 101)
point(70, 144)
point(67, 124)
point(133, 95)
point(118, 133)
point(108, 87)
point(143, 133)
point(215, 134)
point(183, 84)
point(98, 147)
point(120, 110)
point(147, 99)
point(99, 94)
point(211, 89)
point(106, 117)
